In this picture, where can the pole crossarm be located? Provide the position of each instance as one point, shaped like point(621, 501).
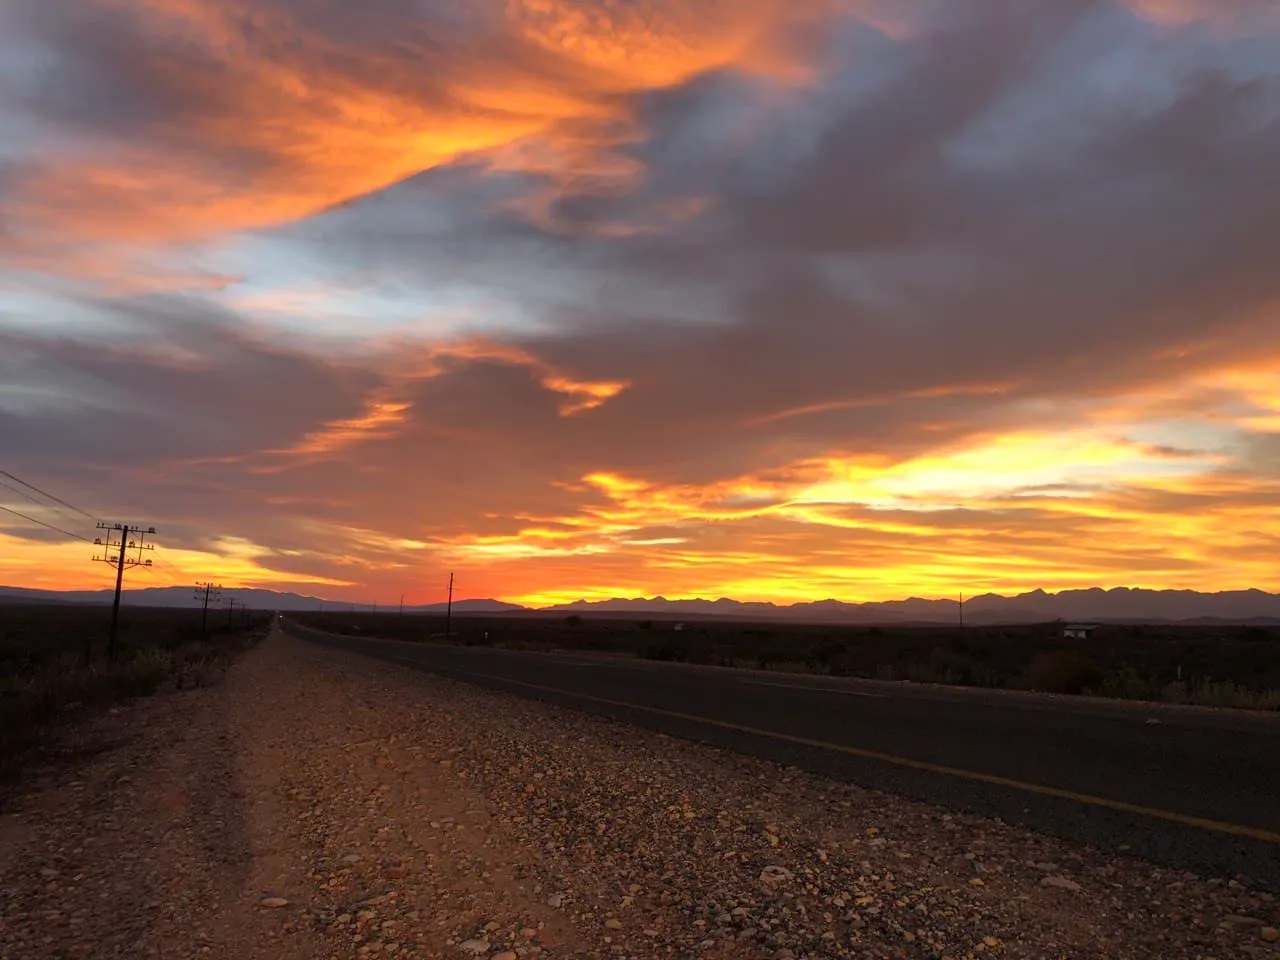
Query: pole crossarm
point(123, 546)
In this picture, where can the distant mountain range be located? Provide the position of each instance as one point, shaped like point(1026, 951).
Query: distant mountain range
point(1120, 604)
point(254, 599)
point(1116, 605)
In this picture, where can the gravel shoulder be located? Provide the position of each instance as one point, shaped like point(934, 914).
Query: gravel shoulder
point(316, 803)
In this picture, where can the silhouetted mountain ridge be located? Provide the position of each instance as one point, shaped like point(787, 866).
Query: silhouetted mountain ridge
point(254, 598)
point(1118, 604)
point(1094, 604)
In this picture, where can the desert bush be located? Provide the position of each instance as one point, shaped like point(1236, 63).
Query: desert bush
point(1128, 684)
point(1063, 671)
point(1224, 693)
point(886, 671)
point(45, 679)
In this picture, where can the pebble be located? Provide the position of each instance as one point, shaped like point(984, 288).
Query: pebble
point(274, 902)
point(775, 874)
point(475, 947)
point(1061, 883)
point(1270, 934)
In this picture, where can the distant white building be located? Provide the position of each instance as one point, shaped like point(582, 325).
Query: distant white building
point(1078, 631)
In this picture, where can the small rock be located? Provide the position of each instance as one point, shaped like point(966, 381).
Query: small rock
point(1238, 921)
point(555, 900)
point(474, 947)
point(775, 874)
point(504, 955)
point(1270, 934)
point(274, 902)
point(1061, 883)
point(613, 923)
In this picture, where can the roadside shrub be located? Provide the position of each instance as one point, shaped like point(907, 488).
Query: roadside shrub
point(1128, 684)
point(886, 671)
point(1063, 671)
point(1224, 693)
point(143, 674)
point(682, 648)
point(662, 650)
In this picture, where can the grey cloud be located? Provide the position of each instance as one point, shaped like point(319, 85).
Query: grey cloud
point(190, 382)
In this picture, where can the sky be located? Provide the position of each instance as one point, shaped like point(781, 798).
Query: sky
point(771, 299)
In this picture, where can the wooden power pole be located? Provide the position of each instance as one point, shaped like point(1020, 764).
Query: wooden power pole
point(448, 611)
point(207, 592)
point(120, 553)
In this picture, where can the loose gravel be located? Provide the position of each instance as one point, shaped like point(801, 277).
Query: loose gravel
point(320, 804)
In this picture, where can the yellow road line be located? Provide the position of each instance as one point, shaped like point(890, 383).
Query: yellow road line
point(813, 689)
point(1217, 826)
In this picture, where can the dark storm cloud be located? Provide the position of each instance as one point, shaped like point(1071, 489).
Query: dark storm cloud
point(185, 381)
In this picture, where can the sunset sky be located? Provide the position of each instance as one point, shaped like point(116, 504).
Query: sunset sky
point(771, 299)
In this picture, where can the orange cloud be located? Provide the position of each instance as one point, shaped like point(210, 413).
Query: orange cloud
point(68, 565)
point(284, 119)
point(1005, 512)
point(580, 395)
point(380, 420)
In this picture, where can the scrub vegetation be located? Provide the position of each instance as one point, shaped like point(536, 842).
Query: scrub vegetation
point(1213, 665)
point(47, 676)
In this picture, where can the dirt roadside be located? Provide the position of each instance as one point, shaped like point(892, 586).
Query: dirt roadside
point(319, 804)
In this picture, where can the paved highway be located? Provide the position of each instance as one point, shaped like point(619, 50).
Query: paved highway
point(1193, 788)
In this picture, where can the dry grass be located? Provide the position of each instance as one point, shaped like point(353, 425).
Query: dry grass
point(46, 681)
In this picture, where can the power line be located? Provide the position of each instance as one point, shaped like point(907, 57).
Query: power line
point(162, 562)
point(43, 506)
point(66, 533)
point(44, 493)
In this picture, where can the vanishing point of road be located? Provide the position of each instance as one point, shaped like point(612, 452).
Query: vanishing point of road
point(1190, 787)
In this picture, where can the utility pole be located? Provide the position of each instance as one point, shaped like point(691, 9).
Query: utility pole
point(401, 613)
point(448, 611)
point(231, 608)
point(962, 609)
point(207, 592)
point(117, 553)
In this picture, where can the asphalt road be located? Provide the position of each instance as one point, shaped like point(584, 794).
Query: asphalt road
point(1193, 788)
